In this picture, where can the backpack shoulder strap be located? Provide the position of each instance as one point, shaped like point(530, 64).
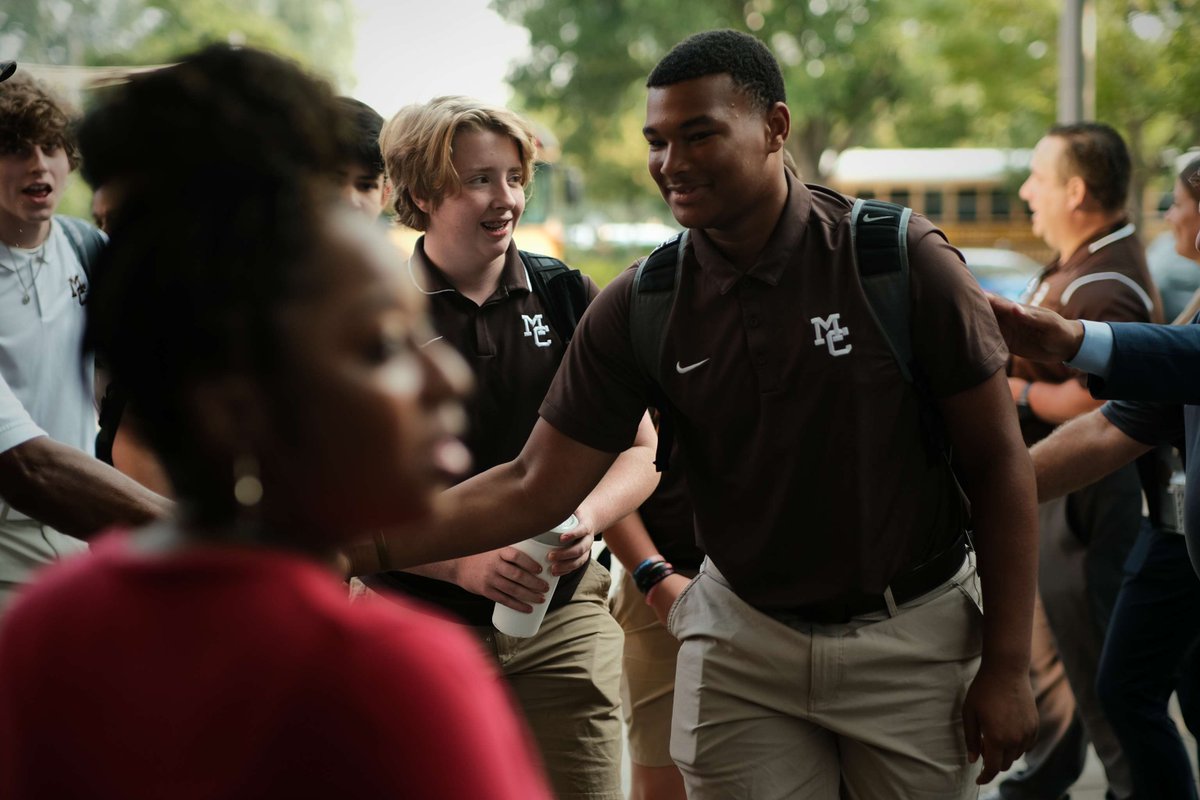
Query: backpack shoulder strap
point(561, 289)
point(86, 240)
point(879, 236)
point(655, 285)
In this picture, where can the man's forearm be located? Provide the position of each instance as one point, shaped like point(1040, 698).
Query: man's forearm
point(533, 493)
point(629, 541)
point(1006, 531)
point(1058, 402)
point(997, 475)
point(73, 492)
point(629, 481)
point(1080, 453)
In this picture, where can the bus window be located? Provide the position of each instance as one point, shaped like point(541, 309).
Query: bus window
point(901, 197)
point(967, 202)
point(933, 205)
point(1001, 204)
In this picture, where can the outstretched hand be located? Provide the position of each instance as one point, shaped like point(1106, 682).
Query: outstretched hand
point(1036, 333)
point(999, 720)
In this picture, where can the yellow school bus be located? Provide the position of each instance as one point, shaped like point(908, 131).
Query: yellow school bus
point(970, 193)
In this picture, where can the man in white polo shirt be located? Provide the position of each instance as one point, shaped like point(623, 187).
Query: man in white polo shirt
point(53, 492)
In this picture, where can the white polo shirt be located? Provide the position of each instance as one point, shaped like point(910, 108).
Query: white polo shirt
point(46, 385)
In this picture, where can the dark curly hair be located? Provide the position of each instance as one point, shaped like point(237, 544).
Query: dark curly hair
point(31, 114)
point(1097, 153)
point(738, 55)
point(222, 161)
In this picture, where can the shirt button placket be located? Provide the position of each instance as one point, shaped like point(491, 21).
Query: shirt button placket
point(757, 336)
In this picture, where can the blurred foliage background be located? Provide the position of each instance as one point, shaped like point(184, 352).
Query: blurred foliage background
point(886, 73)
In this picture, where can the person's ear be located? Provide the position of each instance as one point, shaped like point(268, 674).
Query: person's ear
point(1076, 193)
point(779, 126)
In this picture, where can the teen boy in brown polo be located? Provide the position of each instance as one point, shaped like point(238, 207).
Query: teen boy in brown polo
point(460, 170)
point(815, 496)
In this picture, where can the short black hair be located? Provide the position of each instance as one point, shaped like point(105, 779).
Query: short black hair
point(365, 124)
point(1097, 153)
point(739, 55)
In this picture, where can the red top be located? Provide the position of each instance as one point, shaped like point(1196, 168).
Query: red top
point(230, 672)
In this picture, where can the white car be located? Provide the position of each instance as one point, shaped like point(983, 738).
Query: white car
point(1002, 272)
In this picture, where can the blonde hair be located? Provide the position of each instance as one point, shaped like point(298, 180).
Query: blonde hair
point(418, 147)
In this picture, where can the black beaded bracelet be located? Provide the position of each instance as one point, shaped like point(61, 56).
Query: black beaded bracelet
point(647, 575)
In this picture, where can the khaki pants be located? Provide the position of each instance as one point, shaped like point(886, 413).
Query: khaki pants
point(567, 682)
point(26, 545)
point(648, 677)
point(869, 709)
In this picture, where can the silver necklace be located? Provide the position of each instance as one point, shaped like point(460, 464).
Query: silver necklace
point(39, 258)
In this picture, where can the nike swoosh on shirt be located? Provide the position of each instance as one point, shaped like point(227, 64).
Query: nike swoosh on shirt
point(869, 218)
point(682, 370)
point(431, 341)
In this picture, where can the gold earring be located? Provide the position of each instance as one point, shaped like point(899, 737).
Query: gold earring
point(247, 487)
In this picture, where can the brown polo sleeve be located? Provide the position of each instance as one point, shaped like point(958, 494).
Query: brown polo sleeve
point(593, 291)
point(598, 395)
point(955, 336)
point(1106, 301)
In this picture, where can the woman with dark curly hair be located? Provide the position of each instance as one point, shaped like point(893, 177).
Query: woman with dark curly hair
point(268, 349)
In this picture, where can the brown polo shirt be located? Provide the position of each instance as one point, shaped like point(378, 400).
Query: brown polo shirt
point(514, 352)
point(667, 515)
point(803, 451)
point(1105, 280)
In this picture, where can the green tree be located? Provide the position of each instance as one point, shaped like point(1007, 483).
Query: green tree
point(1148, 81)
point(987, 73)
point(317, 33)
point(919, 73)
point(589, 62)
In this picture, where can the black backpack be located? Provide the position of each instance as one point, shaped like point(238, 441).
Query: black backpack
point(879, 234)
point(88, 243)
point(561, 290)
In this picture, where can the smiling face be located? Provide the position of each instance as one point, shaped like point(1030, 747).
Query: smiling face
point(1184, 218)
point(470, 230)
point(1046, 191)
point(713, 154)
point(32, 180)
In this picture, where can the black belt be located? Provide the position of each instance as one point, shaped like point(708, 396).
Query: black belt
point(909, 586)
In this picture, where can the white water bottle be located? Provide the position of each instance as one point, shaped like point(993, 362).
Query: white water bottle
point(518, 623)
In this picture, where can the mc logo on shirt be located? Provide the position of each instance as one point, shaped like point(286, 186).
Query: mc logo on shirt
point(537, 329)
point(829, 332)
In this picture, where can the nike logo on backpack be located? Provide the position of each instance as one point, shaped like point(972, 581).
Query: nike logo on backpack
point(869, 218)
point(682, 370)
